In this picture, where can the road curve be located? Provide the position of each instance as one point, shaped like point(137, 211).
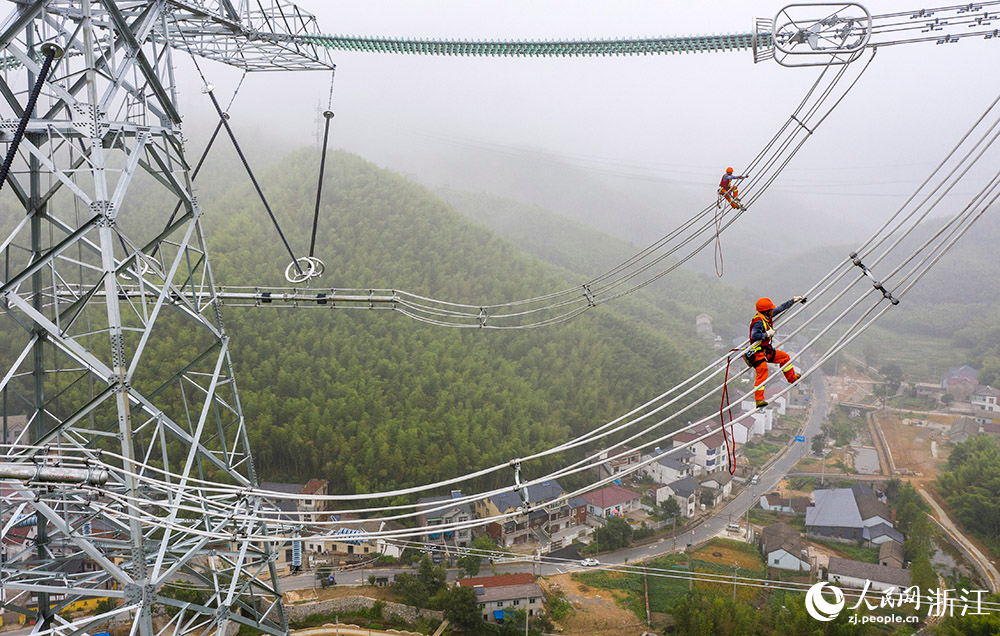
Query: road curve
point(983, 563)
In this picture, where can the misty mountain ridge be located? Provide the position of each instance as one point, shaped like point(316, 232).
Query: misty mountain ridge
point(635, 205)
point(356, 396)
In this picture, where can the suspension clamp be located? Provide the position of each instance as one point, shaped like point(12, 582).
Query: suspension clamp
point(875, 282)
point(521, 488)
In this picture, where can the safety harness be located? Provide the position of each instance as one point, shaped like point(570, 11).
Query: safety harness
point(749, 356)
point(750, 353)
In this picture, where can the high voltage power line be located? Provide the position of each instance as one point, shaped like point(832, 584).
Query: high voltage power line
point(111, 113)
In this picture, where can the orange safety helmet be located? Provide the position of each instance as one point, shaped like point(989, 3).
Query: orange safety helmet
point(729, 171)
point(764, 304)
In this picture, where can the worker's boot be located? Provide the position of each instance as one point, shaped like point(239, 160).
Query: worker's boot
point(761, 404)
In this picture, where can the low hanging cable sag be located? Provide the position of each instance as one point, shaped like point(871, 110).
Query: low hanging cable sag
point(968, 216)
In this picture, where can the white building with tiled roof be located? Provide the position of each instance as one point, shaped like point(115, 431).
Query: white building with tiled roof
point(850, 573)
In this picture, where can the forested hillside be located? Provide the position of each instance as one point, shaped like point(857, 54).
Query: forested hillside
point(585, 253)
point(371, 400)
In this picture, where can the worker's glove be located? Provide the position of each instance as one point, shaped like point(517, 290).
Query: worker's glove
point(799, 299)
point(769, 333)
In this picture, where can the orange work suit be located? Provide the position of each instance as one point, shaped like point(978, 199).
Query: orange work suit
point(767, 353)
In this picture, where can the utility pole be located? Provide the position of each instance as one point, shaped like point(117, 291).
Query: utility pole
point(735, 565)
point(525, 617)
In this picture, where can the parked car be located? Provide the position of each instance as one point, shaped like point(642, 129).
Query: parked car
point(733, 527)
point(754, 479)
point(588, 562)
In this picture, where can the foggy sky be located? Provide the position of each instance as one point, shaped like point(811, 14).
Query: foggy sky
point(680, 118)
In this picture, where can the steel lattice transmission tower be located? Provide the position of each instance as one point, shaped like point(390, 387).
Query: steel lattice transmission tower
point(122, 406)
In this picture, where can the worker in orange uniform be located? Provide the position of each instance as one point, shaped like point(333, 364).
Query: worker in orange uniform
point(761, 352)
point(728, 190)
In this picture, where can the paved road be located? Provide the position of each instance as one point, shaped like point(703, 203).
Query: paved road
point(709, 528)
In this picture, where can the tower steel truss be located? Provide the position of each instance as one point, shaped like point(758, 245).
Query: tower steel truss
point(79, 378)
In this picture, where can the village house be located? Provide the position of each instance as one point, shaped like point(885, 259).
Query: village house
point(709, 452)
point(296, 507)
point(962, 429)
point(684, 491)
point(774, 502)
point(717, 486)
point(552, 514)
point(14, 427)
point(960, 382)
point(350, 543)
point(847, 514)
point(929, 390)
point(848, 573)
point(670, 465)
point(439, 511)
point(985, 408)
point(890, 554)
point(611, 501)
point(782, 548)
point(313, 509)
point(498, 595)
point(617, 461)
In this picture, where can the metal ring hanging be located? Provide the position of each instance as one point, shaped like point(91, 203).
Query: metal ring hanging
point(318, 266)
point(301, 269)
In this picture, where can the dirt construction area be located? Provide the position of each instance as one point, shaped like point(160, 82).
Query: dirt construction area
point(596, 612)
point(910, 444)
point(715, 553)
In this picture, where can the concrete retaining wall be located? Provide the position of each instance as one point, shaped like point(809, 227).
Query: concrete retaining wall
point(406, 613)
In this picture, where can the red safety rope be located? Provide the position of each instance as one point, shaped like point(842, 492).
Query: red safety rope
point(724, 406)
